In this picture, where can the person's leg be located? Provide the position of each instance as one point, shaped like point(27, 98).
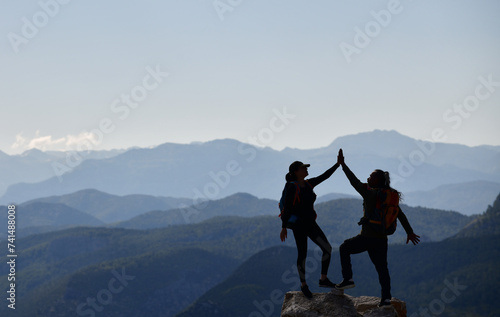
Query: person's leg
point(350, 246)
point(301, 242)
point(318, 236)
point(378, 255)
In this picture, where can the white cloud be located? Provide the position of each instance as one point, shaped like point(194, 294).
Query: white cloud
point(81, 142)
point(20, 142)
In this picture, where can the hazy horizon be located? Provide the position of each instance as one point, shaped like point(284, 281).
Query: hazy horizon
point(243, 141)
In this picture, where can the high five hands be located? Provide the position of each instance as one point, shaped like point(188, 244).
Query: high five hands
point(340, 157)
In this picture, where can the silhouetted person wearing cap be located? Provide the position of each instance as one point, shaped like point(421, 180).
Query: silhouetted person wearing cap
point(299, 215)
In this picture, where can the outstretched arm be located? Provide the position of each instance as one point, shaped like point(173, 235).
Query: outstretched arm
point(317, 180)
point(411, 236)
point(355, 182)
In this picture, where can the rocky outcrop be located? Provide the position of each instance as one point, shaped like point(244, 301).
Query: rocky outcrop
point(338, 304)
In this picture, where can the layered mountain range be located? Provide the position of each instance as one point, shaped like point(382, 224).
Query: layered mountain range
point(436, 175)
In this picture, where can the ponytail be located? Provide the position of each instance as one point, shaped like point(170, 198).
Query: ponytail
point(290, 177)
point(387, 179)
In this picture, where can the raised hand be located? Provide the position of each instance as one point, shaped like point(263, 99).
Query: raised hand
point(413, 238)
point(340, 157)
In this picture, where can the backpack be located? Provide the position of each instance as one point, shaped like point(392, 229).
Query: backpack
point(383, 218)
point(281, 204)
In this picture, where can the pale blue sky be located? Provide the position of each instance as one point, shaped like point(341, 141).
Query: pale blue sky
point(226, 76)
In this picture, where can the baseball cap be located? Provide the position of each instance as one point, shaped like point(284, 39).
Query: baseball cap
point(296, 165)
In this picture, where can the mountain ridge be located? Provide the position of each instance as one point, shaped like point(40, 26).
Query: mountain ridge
point(113, 208)
point(488, 223)
point(43, 214)
point(468, 198)
point(222, 167)
point(227, 206)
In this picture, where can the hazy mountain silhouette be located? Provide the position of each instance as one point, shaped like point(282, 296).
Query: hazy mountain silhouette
point(112, 208)
point(49, 216)
point(240, 204)
point(338, 217)
point(333, 196)
point(467, 198)
point(485, 224)
point(201, 169)
point(35, 166)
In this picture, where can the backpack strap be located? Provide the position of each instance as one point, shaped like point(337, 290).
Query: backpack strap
point(296, 197)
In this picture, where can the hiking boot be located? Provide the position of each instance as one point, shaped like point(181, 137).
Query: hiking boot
point(326, 283)
point(345, 284)
point(307, 293)
point(384, 303)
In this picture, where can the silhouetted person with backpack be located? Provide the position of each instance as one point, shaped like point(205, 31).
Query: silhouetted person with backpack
point(298, 214)
point(373, 236)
